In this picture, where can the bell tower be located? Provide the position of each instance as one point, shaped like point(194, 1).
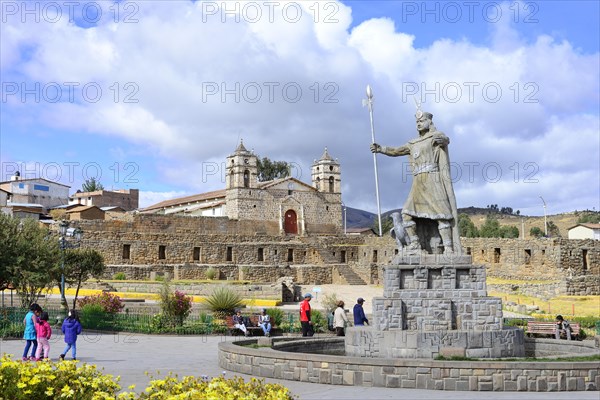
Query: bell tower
point(241, 169)
point(241, 184)
point(326, 174)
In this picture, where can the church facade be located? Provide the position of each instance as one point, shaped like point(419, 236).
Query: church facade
point(296, 207)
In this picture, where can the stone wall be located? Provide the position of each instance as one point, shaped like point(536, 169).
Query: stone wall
point(575, 262)
point(320, 212)
point(304, 274)
point(369, 342)
point(540, 290)
point(405, 373)
point(204, 289)
point(158, 242)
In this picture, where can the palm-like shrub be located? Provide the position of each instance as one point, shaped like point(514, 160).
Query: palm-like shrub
point(223, 301)
point(276, 315)
point(211, 273)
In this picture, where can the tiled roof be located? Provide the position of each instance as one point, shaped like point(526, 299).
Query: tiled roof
point(587, 225)
point(185, 200)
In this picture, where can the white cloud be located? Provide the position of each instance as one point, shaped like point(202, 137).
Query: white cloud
point(177, 52)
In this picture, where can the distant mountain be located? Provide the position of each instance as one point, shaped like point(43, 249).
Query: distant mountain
point(356, 218)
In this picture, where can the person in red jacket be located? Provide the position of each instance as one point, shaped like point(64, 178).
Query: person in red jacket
point(44, 332)
point(307, 325)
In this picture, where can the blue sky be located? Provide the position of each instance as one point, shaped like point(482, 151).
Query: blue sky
point(171, 87)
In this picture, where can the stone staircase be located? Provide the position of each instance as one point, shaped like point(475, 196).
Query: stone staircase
point(351, 277)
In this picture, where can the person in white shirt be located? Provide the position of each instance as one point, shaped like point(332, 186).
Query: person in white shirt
point(264, 321)
point(339, 319)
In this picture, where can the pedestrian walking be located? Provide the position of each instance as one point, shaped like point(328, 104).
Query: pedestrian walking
point(339, 319)
point(71, 327)
point(43, 332)
point(305, 320)
point(359, 313)
point(29, 335)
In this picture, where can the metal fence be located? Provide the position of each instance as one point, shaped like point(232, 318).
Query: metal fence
point(12, 324)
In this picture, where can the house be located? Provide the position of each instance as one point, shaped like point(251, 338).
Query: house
point(585, 231)
point(127, 199)
point(25, 210)
point(209, 204)
point(361, 231)
point(35, 191)
point(3, 197)
point(85, 212)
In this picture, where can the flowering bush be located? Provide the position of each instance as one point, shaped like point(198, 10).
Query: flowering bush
point(66, 380)
point(46, 380)
point(191, 387)
point(110, 303)
point(175, 306)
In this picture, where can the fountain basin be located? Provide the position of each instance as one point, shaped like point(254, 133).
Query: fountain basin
point(312, 365)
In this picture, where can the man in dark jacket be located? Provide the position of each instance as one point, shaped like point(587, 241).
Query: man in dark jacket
point(359, 314)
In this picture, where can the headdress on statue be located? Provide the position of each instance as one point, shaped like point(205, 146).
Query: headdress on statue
point(420, 113)
point(425, 114)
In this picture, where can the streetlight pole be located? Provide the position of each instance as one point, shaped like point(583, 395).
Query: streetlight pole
point(77, 234)
point(545, 218)
point(344, 211)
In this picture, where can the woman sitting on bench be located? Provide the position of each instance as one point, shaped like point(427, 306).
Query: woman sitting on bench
point(238, 322)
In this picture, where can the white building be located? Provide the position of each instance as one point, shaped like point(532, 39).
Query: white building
point(585, 231)
point(36, 191)
point(3, 197)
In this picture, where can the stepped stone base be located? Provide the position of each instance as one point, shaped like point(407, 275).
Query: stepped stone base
point(432, 308)
point(368, 342)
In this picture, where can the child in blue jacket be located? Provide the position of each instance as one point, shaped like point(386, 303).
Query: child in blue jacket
point(71, 327)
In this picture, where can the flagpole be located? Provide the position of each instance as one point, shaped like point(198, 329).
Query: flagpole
point(369, 102)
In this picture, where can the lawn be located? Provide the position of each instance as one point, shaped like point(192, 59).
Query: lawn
point(582, 306)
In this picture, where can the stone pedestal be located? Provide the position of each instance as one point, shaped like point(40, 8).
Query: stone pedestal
point(428, 309)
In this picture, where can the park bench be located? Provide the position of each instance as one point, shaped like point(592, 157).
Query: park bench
point(252, 328)
point(549, 328)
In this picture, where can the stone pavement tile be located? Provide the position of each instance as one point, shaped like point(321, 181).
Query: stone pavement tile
point(131, 355)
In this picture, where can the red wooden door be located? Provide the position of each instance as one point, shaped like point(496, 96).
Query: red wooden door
point(290, 224)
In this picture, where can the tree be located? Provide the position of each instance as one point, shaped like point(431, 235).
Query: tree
point(490, 228)
point(387, 223)
point(91, 185)
point(37, 264)
point(81, 265)
point(589, 217)
point(466, 227)
point(269, 170)
point(536, 232)
point(8, 248)
point(553, 230)
point(509, 232)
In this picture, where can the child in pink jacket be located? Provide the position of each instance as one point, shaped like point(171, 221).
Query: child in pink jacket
point(44, 332)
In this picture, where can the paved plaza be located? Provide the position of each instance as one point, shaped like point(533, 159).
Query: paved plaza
point(131, 355)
